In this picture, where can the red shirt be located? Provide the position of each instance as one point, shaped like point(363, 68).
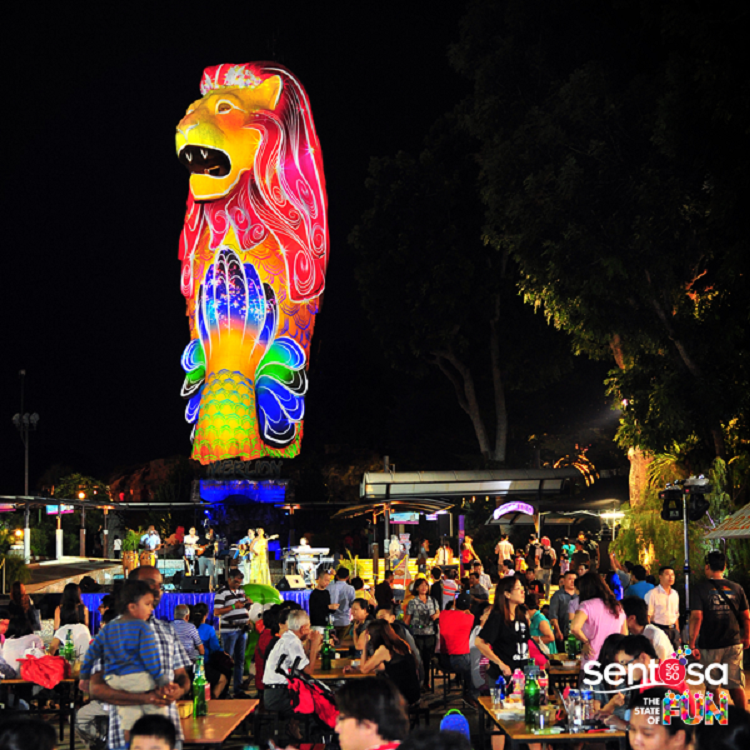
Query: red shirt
point(455, 629)
point(260, 662)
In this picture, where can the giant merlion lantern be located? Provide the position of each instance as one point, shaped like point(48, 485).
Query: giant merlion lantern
point(254, 250)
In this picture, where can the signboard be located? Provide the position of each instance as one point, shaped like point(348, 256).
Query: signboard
point(412, 518)
point(514, 507)
point(53, 510)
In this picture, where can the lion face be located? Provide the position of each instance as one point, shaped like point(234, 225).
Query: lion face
point(216, 139)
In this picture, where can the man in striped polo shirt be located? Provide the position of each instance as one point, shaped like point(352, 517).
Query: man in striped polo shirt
point(231, 604)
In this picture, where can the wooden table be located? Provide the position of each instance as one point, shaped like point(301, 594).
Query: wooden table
point(223, 718)
point(517, 734)
point(66, 702)
point(337, 671)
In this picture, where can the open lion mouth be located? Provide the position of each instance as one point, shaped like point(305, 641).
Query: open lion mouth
point(203, 160)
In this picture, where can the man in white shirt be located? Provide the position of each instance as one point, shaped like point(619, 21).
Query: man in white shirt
point(151, 540)
point(636, 618)
point(289, 649)
point(484, 579)
point(663, 604)
point(190, 541)
point(504, 550)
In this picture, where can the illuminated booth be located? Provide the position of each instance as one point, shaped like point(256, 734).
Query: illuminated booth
point(254, 251)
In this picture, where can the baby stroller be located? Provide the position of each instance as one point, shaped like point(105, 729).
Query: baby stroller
point(312, 699)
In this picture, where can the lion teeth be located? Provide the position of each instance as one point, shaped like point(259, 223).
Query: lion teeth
point(204, 153)
point(189, 156)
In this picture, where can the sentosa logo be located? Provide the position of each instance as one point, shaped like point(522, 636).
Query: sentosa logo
point(672, 673)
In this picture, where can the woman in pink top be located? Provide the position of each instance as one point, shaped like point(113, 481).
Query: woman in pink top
point(598, 616)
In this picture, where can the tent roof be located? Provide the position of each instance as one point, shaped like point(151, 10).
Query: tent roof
point(451, 484)
point(414, 505)
point(737, 526)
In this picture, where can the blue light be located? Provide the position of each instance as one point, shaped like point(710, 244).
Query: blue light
point(243, 491)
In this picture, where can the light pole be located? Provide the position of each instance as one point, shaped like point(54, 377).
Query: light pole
point(25, 423)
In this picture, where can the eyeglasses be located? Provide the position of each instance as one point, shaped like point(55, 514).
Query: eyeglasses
point(628, 662)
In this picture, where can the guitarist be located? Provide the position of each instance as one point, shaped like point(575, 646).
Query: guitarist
point(245, 552)
point(208, 548)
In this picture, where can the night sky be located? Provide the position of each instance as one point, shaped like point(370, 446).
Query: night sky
point(94, 202)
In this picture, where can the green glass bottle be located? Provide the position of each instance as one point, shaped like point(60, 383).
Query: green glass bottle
point(572, 646)
point(326, 650)
point(200, 706)
point(532, 694)
point(69, 650)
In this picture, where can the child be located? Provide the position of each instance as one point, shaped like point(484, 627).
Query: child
point(153, 733)
point(128, 650)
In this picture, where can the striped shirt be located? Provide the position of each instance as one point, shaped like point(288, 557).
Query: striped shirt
point(235, 618)
point(188, 635)
point(125, 647)
point(172, 656)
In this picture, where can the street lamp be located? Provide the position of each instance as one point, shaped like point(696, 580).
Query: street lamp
point(24, 423)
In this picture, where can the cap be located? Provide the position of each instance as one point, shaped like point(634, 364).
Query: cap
point(463, 601)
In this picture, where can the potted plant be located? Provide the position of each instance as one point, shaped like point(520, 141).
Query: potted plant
point(130, 550)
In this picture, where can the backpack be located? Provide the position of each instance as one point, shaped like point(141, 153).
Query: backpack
point(531, 556)
point(455, 721)
point(547, 559)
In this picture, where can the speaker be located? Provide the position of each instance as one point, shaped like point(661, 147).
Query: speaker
point(290, 583)
point(194, 584)
point(443, 525)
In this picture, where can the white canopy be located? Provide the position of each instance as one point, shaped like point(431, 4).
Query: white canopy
point(737, 526)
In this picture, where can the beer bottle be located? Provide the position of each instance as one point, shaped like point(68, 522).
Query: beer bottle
point(200, 707)
point(69, 650)
point(326, 650)
point(532, 694)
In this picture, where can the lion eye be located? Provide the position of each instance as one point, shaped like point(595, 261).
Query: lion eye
point(224, 106)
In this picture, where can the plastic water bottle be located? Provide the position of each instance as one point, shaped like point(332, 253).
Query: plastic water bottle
point(574, 709)
point(519, 682)
point(500, 685)
point(587, 707)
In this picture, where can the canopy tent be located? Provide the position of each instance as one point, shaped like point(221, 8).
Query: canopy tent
point(387, 507)
point(737, 526)
point(447, 485)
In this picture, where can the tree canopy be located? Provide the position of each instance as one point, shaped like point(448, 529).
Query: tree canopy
point(438, 299)
point(613, 170)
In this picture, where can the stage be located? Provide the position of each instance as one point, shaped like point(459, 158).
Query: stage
point(169, 600)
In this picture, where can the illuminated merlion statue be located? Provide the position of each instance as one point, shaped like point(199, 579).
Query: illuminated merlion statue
point(254, 251)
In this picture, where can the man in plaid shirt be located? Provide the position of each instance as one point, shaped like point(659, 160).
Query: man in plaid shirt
point(174, 661)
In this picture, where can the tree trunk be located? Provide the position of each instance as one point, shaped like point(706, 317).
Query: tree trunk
point(638, 480)
point(463, 382)
point(501, 411)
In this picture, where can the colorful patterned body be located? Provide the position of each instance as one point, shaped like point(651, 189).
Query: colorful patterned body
point(254, 251)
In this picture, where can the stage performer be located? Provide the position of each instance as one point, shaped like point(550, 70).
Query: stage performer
point(260, 572)
point(207, 559)
point(254, 251)
point(305, 561)
point(245, 553)
point(190, 541)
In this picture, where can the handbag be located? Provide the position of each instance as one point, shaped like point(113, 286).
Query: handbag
point(47, 671)
point(221, 661)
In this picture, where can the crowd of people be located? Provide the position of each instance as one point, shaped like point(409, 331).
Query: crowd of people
point(138, 666)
